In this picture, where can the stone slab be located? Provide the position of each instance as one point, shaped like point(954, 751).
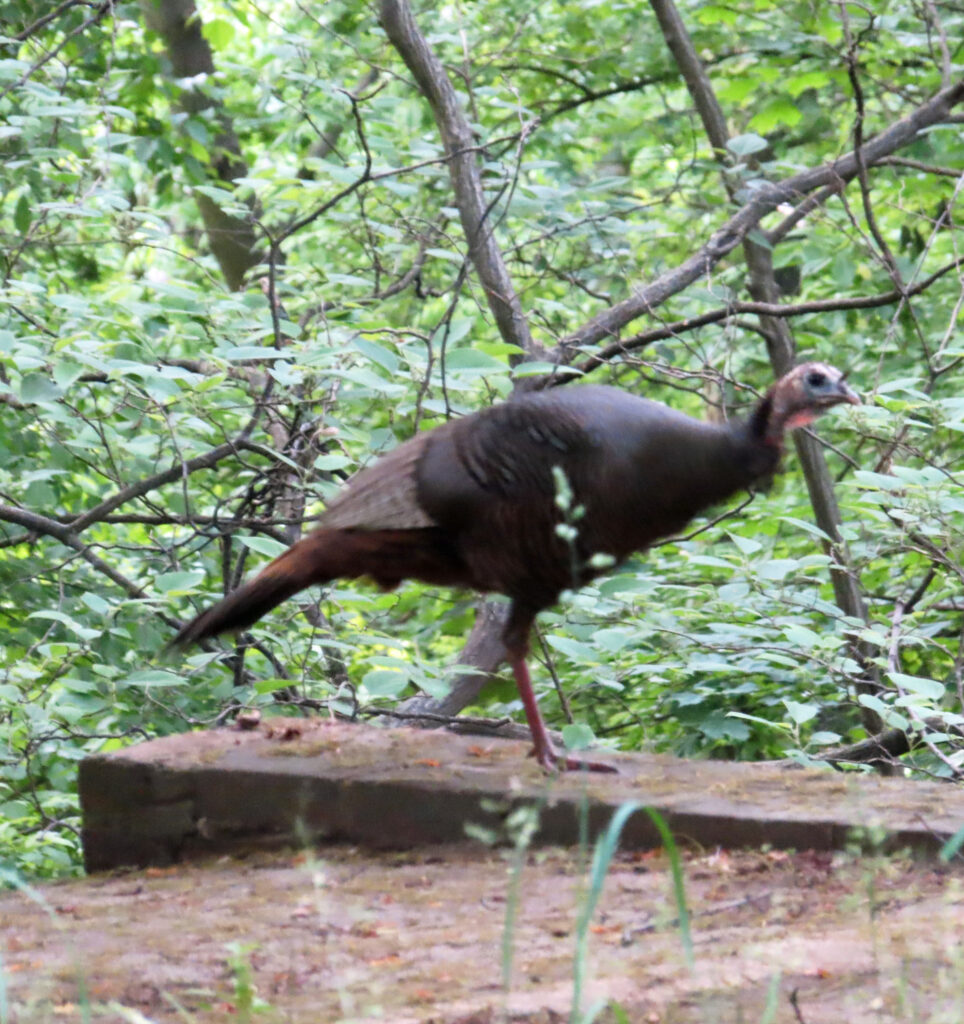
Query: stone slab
point(295, 781)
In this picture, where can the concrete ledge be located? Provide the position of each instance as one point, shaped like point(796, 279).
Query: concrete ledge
point(295, 781)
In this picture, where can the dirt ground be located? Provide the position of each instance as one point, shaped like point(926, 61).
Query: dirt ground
point(342, 934)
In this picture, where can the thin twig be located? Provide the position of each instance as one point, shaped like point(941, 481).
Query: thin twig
point(101, 11)
point(607, 324)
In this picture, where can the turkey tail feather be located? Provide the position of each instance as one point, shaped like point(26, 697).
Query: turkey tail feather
point(299, 567)
point(387, 556)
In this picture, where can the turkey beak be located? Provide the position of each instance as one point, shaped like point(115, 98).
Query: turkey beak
point(845, 393)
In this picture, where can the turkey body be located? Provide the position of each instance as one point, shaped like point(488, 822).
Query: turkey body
point(476, 502)
point(483, 489)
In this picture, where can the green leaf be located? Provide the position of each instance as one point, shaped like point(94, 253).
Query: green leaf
point(929, 689)
point(825, 739)
point(572, 648)
point(801, 713)
point(776, 568)
point(719, 726)
point(240, 353)
point(198, 131)
point(886, 712)
point(578, 736)
point(151, 677)
point(219, 32)
point(21, 214)
point(39, 389)
point(744, 145)
point(802, 636)
point(843, 270)
point(952, 847)
point(387, 360)
point(780, 113)
point(75, 627)
point(537, 369)
point(66, 372)
point(712, 14)
point(453, 331)
point(747, 545)
point(797, 84)
point(349, 280)
point(332, 461)
point(96, 603)
point(264, 545)
point(611, 640)
point(471, 359)
point(385, 682)
point(263, 686)
point(874, 703)
point(802, 524)
point(765, 722)
point(446, 254)
point(177, 582)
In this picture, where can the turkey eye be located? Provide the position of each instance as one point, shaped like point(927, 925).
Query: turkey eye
point(816, 379)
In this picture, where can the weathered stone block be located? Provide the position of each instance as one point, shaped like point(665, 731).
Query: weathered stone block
point(296, 781)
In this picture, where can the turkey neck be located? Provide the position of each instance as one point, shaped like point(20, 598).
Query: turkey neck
point(677, 468)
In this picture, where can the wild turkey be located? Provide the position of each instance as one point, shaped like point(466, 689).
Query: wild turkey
point(474, 503)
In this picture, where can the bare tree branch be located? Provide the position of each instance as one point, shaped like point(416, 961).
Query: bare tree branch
point(781, 346)
point(100, 11)
point(766, 198)
point(484, 649)
point(918, 165)
point(398, 22)
point(67, 535)
point(151, 483)
point(767, 309)
point(483, 652)
point(232, 239)
point(47, 18)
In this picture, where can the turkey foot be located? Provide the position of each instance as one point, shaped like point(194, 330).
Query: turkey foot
point(542, 749)
point(554, 762)
point(575, 764)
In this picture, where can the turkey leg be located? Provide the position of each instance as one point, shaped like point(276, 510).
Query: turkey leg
point(543, 750)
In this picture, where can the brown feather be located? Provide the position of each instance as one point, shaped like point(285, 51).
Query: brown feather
point(382, 496)
point(386, 556)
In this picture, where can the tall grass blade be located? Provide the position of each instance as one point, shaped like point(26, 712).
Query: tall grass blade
point(679, 890)
point(526, 823)
point(773, 1000)
point(605, 850)
point(602, 857)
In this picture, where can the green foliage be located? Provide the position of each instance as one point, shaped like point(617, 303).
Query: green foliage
point(246, 1001)
point(163, 435)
